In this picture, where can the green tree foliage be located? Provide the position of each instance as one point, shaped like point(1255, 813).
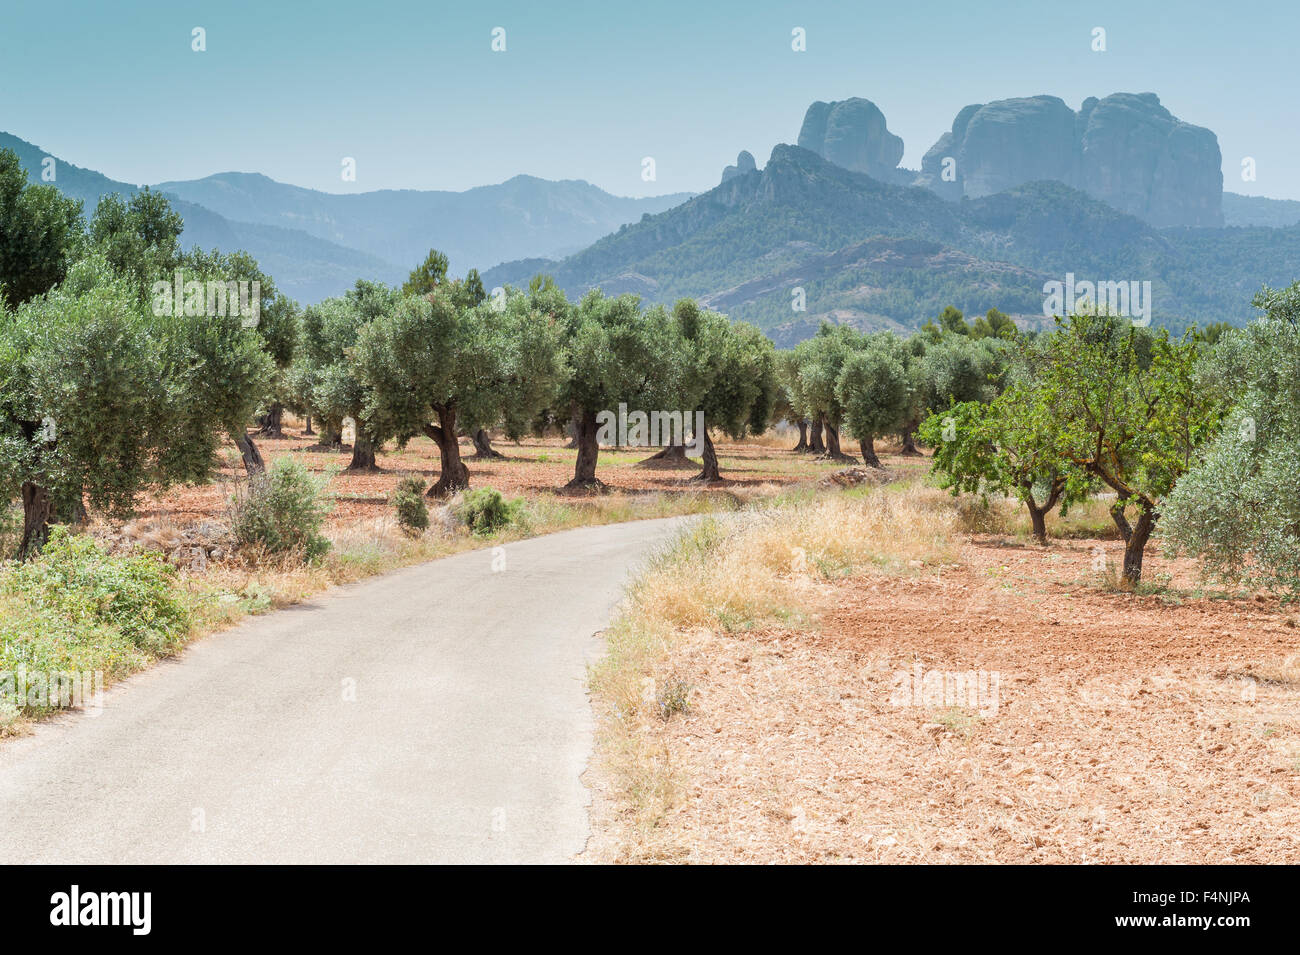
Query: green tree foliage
point(1237, 508)
point(1124, 407)
point(994, 324)
point(617, 354)
point(428, 275)
point(1003, 448)
point(139, 237)
point(41, 232)
point(875, 391)
point(429, 359)
point(729, 376)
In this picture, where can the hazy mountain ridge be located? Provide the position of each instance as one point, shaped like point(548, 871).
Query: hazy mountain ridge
point(316, 244)
point(801, 222)
point(524, 216)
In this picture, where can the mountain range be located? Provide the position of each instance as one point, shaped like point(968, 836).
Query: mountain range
point(880, 255)
point(317, 244)
point(1018, 193)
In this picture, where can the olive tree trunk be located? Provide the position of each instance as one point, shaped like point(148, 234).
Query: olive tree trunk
point(253, 462)
point(483, 446)
point(833, 450)
point(803, 436)
point(587, 437)
point(454, 476)
point(815, 444)
point(710, 471)
point(909, 440)
point(867, 446)
point(38, 512)
point(363, 452)
point(271, 425)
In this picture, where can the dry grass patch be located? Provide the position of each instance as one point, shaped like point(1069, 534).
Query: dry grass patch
point(762, 567)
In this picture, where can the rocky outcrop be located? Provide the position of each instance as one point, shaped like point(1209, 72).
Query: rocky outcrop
point(852, 133)
point(744, 163)
point(1126, 150)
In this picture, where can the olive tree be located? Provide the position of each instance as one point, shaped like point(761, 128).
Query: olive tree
point(41, 231)
point(1237, 508)
point(875, 392)
point(728, 378)
point(429, 362)
point(818, 363)
point(618, 354)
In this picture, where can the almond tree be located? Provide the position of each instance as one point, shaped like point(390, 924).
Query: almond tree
point(1000, 448)
point(1124, 407)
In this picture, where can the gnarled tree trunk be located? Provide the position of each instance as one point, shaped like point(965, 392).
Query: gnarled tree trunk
point(483, 446)
point(909, 440)
point(38, 512)
point(454, 476)
point(363, 452)
point(710, 471)
point(253, 462)
point(307, 425)
point(815, 444)
point(867, 446)
point(803, 436)
point(833, 450)
point(584, 469)
point(272, 423)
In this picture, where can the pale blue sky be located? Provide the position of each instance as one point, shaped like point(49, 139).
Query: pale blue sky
point(413, 91)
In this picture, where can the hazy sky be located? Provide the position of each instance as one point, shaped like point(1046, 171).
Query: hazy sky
point(414, 92)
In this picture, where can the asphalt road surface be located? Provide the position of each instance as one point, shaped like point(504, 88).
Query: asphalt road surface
point(435, 714)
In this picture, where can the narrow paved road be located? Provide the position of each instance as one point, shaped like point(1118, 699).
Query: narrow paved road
point(436, 714)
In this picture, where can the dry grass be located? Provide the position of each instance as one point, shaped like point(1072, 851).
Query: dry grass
point(768, 565)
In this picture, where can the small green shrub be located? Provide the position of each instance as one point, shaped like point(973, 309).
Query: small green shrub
point(484, 511)
point(408, 501)
point(282, 510)
point(73, 580)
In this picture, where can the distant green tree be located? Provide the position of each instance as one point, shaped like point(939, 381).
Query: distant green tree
point(428, 275)
point(994, 324)
point(874, 390)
